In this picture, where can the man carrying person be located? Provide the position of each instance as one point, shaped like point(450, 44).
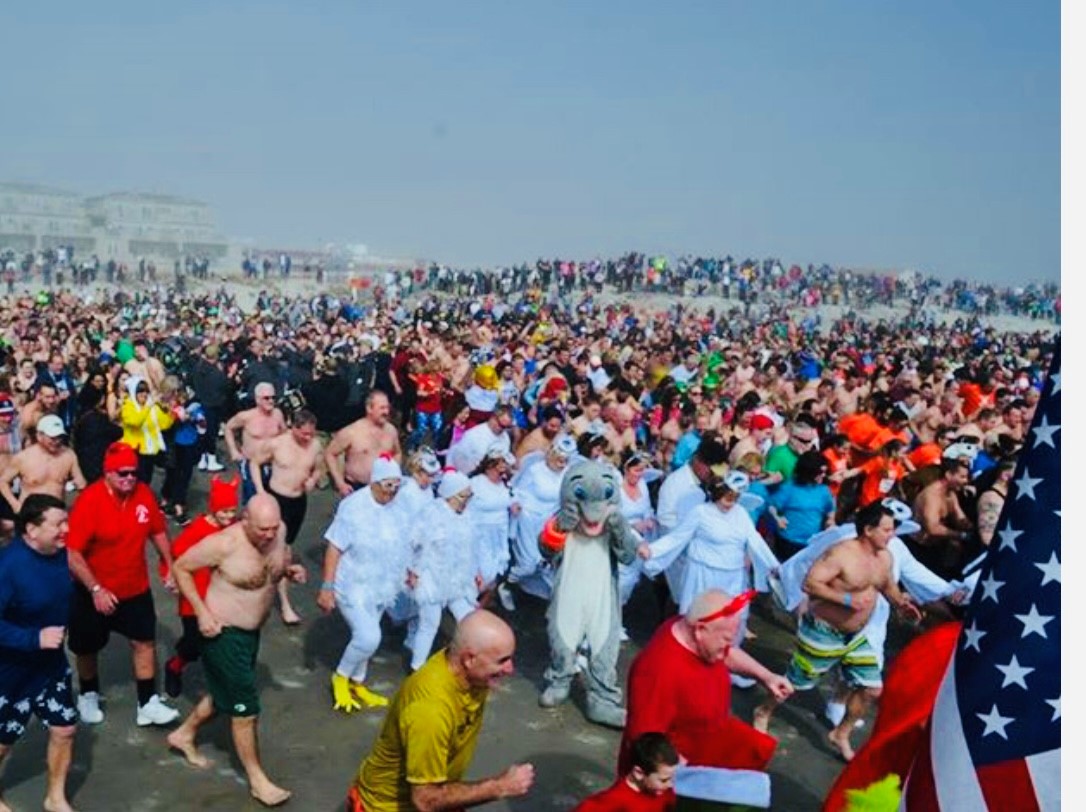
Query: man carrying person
point(246, 560)
point(35, 593)
point(294, 460)
point(843, 586)
point(47, 466)
point(361, 443)
point(111, 523)
point(680, 685)
point(428, 738)
point(257, 425)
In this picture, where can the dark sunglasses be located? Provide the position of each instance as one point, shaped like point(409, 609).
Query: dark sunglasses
point(127, 473)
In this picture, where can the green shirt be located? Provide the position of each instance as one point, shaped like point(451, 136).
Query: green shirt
point(428, 737)
point(781, 459)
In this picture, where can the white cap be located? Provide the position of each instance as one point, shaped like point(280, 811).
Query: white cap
point(428, 462)
point(967, 451)
point(901, 511)
point(736, 481)
point(453, 483)
point(384, 468)
point(564, 445)
point(51, 426)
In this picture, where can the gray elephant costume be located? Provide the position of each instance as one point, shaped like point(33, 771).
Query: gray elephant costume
point(585, 607)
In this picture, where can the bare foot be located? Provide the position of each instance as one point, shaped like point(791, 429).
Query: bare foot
point(761, 718)
point(290, 617)
point(59, 805)
point(186, 745)
point(269, 794)
point(841, 744)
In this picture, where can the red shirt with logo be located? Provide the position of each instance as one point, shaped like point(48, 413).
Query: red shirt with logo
point(112, 534)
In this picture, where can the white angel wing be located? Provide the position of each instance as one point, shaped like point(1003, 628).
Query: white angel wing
point(527, 461)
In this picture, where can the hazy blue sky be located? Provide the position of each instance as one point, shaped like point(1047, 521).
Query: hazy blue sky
point(910, 134)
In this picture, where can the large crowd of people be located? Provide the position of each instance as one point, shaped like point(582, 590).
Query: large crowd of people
point(844, 466)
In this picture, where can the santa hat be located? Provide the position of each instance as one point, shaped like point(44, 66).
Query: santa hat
point(118, 457)
point(223, 494)
point(385, 467)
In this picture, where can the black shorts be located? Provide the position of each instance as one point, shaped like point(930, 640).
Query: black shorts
point(292, 511)
point(49, 699)
point(89, 630)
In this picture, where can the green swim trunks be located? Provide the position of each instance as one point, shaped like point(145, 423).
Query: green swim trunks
point(230, 670)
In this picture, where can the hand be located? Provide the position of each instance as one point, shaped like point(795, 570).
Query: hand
point(863, 601)
point(105, 602)
point(326, 600)
point(345, 490)
point(644, 551)
point(209, 625)
point(959, 596)
point(516, 781)
point(782, 522)
point(235, 455)
point(170, 584)
point(779, 686)
point(296, 573)
point(910, 610)
point(479, 582)
point(51, 637)
point(514, 509)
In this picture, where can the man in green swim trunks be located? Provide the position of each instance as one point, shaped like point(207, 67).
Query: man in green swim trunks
point(247, 560)
point(842, 588)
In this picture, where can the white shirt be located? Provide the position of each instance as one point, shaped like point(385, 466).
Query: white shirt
point(374, 549)
point(466, 455)
point(680, 493)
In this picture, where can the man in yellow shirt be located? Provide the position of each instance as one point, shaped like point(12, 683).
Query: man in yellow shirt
point(425, 746)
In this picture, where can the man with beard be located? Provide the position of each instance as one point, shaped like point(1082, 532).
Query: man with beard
point(541, 437)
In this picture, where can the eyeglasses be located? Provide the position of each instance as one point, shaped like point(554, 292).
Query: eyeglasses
point(127, 473)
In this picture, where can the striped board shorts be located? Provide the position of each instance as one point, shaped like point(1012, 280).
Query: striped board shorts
point(819, 646)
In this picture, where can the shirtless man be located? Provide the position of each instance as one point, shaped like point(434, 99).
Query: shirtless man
point(45, 467)
point(619, 430)
point(847, 396)
point(246, 560)
point(947, 412)
point(294, 458)
point(944, 526)
point(145, 366)
point(257, 425)
point(842, 587)
point(45, 402)
point(361, 443)
point(1012, 423)
point(591, 409)
point(541, 437)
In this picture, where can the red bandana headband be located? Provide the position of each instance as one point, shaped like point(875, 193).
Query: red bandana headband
point(732, 607)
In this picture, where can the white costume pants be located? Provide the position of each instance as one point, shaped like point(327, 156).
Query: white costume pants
point(423, 628)
point(365, 622)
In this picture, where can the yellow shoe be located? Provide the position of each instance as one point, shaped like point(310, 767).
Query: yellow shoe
point(368, 697)
point(342, 698)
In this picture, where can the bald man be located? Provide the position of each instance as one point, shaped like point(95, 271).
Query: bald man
point(247, 560)
point(425, 747)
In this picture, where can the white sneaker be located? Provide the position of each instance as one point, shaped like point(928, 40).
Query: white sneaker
point(156, 712)
point(739, 681)
point(89, 711)
point(582, 663)
point(214, 465)
point(203, 462)
point(505, 596)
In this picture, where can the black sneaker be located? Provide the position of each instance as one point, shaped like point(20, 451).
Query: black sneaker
point(172, 683)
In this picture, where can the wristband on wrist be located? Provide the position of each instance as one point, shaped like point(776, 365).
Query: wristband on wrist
point(96, 589)
point(848, 600)
point(327, 585)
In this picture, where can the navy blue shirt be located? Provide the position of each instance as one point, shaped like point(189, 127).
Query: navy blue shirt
point(35, 592)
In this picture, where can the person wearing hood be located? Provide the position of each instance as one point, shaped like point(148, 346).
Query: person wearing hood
point(365, 569)
point(445, 564)
point(144, 419)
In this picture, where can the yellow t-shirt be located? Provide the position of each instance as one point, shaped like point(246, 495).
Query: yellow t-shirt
point(428, 737)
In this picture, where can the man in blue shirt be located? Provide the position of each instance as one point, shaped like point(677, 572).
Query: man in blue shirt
point(35, 591)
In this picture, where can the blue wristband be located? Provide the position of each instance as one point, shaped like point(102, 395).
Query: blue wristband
point(848, 600)
point(327, 585)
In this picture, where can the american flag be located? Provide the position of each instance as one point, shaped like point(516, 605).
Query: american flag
point(994, 738)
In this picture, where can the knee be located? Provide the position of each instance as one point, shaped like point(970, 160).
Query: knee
point(62, 733)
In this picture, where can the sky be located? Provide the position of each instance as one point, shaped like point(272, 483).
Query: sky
point(921, 135)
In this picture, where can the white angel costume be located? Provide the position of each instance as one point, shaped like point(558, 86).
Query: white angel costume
point(371, 573)
point(489, 514)
point(537, 489)
point(635, 511)
point(680, 493)
point(716, 544)
point(444, 560)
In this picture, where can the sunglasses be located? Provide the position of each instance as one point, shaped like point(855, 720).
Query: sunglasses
point(127, 473)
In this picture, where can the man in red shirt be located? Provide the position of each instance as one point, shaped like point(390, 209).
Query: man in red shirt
point(109, 527)
point(647, 787)
point(680, 685)
point(222, 509)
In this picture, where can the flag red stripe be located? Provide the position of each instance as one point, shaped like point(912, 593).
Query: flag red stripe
point(1008, 785)
point(920, 795)
point(912, 685)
